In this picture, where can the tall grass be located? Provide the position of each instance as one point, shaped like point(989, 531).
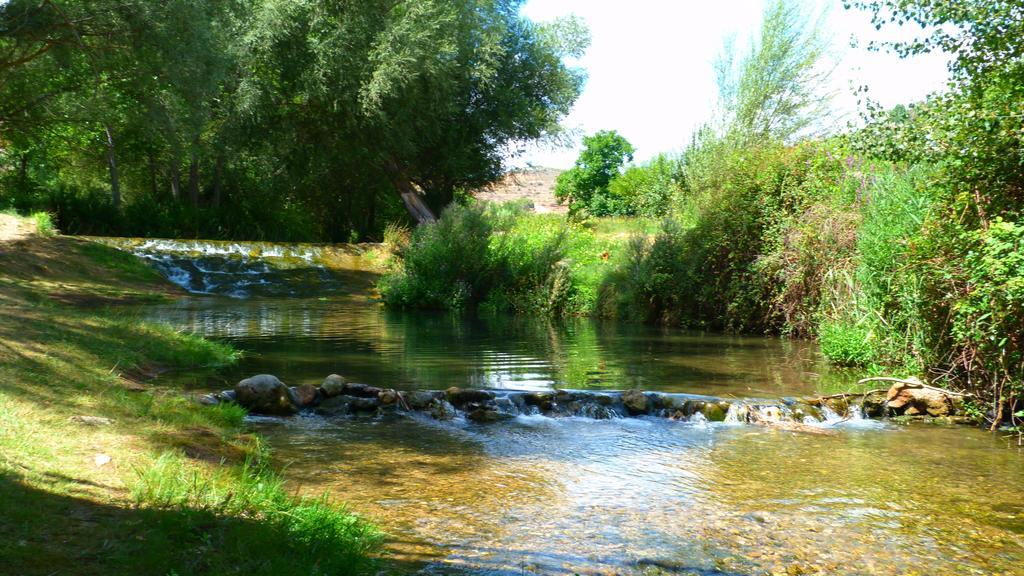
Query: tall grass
point(500, 257)
point(261, 527)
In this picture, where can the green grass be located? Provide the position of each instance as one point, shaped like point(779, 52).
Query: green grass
point(185, 491)
point(44, 224)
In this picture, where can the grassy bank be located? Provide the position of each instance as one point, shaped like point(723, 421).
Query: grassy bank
point(104, 471)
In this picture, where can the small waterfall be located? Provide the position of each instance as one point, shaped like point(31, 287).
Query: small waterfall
point(244, 269)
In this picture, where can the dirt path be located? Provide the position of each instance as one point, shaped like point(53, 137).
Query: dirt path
point(13, 228)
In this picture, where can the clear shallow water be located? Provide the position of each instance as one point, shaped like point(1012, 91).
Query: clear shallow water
point(639, 496)
point(302, 341)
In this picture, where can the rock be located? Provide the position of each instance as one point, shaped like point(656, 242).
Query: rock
point(873, 404)
point(714, 412)
point(635, 402)
point(334, 406)
point(442, 410)
point(227, 396)
point(264, 394)
point(914, 399)
point(542, 400)
point(387, 396)
point(208, 399)
point(92, 420)
point(333, 385)
point(462, 396)
point(420, 399)
point(101, 460)
point(304, 396)
point(361, 390)
point(365, 404)
point(484, 415)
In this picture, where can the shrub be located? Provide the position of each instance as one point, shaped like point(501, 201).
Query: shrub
point(446, 264)
point(846, 343)
point(647, 190)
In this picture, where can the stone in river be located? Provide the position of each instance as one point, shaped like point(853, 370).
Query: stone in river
point(462, 396)
point(334, 385)
point(635, 401)
point(304, 396)
point(264, 394)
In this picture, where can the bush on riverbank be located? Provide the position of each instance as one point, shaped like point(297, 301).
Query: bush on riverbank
point(499, 257)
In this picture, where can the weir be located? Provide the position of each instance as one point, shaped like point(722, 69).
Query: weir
point(248, 269)
point(265, 394)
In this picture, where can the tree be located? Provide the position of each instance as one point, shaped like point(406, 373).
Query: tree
point(422, 96)
point(585, 185)
point(779, 88)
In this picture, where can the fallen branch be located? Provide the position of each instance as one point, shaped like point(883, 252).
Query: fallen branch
point(912, 382)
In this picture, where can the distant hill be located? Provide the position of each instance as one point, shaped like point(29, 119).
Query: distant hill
point(535, 184)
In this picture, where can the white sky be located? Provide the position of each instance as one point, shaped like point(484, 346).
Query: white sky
point(650, 73)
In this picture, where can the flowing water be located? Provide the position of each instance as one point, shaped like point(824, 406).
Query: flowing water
point(575, 495)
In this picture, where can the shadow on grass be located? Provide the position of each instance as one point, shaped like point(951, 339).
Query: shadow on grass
point(46, 533)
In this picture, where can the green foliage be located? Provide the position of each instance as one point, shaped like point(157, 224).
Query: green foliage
point(648, 189)
point(779, 88)
point(268, 120)
point(585, 186)
point(446, 264)
point(285, 534)
point(846, 344)
point(44, 224)
point(498, 257)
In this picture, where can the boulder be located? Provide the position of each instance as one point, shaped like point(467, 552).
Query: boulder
point(304, 396)
point(484, 415)
point(264, 394)
point(387, 396)
point(911, 399)
point(335, 405)
point(361, 390)
point(542, 400)
point(462, 396)
point(873, 404)
point(420, 399)
point(334, 385)
point(714, 411)
point(635, 402)
point(442, 410)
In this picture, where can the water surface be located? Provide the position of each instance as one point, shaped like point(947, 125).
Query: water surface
point(573, 495)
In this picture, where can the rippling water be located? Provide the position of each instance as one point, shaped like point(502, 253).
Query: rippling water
point(643, 496)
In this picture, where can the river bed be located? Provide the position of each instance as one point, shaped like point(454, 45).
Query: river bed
point(632, 495)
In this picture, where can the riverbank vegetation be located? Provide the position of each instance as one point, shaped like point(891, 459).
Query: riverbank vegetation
point(897, 244)
point(103, 471)
point(269, 120)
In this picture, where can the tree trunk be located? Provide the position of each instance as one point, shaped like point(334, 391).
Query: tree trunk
point(152, 175)
point(175, 181)
point(115, 181)
point(193, 179)
point(412, 198)
point(23, 172)
point(217, 168)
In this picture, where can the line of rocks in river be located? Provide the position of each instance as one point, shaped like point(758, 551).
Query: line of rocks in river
point(266, 394)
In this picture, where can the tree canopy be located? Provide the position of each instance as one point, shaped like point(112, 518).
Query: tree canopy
point(324, 113)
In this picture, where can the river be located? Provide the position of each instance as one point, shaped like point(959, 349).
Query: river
point(575, 495)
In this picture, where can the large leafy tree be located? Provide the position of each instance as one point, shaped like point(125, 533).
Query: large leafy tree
point(585, 186)
point(424, 97)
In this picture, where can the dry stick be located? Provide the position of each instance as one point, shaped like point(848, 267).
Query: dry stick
point(915, 383)
point(845, 394)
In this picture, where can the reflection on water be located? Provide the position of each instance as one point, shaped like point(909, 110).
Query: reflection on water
point(638, 496)
point(302, 341)
point(577, 495)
